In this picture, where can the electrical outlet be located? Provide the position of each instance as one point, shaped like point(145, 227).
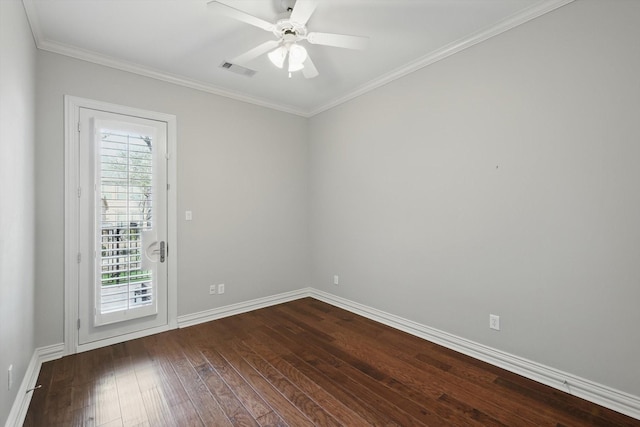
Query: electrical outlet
point(336, 280)
point(212, 289)
point(494, 322)
point(221, 288)
point(10, 377)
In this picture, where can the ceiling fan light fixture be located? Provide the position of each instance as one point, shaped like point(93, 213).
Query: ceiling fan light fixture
point(293, 66)
point(288, 31)
point(277, 56)
point(297, 54)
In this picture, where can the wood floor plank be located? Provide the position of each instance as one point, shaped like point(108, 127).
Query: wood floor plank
point(132, 408)
point(246, 394)
point(422, 378)
point(286, 409)
point(301, 400)
point(207, 407)
point(552, 399)
point(271, 420)
point(157, 408)
point(416, 380)
point(114, 423)
point(168, 381)
point(472, 370)
point(228, 401)
point(185, 414)
point(90, 364)
point(302, 363)
point(325, 399)
point(84, 417)
point(377, 397)
point(107, 399)
point(366, 375)
point(233, 406)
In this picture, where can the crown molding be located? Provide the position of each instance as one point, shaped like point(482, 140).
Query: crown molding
point(118, 64)
point(448, 50)
point(533, 12)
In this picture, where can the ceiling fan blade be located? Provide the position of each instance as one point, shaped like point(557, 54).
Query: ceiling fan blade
point(302, 11)
point(338, 40)
point(234, 13)
point(309, 71)
point(255, 52)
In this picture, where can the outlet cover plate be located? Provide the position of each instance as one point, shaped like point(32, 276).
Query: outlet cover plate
point(494, 322)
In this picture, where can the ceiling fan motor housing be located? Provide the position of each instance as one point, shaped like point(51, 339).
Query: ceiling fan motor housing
point(289, 31)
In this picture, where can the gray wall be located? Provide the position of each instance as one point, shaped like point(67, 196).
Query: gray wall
point(501, 180)
point(17, 204)
point(242, 170)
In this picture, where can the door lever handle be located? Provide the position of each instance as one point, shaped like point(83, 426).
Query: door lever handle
point(162, 251)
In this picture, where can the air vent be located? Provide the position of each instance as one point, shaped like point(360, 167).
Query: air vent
point(238, 69)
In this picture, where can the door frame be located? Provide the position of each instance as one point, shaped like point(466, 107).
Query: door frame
point(72, 256)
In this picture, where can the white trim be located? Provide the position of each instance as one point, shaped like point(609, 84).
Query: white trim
point(448, 50)
point(608, 397)
point(172, 223)
point(72, 107)
point(23, 398)
point(122, 338)
point(242, 307)
point(71, 244)
point(533, 12)
point(119, 64)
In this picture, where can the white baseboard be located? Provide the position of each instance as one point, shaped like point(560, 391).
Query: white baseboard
point(23, 398)
point(608, 397)
point(242, 307)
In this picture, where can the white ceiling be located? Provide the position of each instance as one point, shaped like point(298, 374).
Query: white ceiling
point(185, 42)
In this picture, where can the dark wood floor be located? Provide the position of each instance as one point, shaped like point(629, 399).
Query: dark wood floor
point(301, 363)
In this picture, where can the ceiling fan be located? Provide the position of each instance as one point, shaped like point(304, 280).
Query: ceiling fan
point(289, 31)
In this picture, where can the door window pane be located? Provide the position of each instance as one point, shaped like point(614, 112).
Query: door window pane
point(125, 182)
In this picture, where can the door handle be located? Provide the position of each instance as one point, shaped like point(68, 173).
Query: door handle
point(162, 251)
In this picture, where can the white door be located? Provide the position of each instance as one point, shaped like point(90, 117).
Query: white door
point(122, 277)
